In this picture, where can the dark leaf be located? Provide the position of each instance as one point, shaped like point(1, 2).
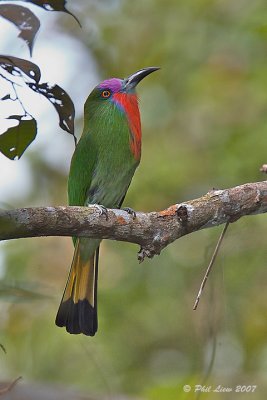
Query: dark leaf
point(53, 5)
point(15, 140)
point(15, 65)
point(24, 20)
point(6, 97)
point(61, 101)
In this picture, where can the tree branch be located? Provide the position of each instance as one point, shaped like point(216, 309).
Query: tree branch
point(152, 231)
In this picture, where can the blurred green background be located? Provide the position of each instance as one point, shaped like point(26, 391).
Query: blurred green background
point(204, 119)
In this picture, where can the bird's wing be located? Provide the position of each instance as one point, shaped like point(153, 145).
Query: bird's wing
point(82, 170)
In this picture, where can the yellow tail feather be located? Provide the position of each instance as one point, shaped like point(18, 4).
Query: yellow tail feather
point(78, 308)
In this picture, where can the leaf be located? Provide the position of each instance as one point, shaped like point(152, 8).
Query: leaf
point(6, 97)
point(53, 5)
point(16, 139)
point(15, 65)
point(61, 101)
point(24, 20)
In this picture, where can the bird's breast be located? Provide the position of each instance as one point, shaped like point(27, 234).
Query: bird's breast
point(128, 103)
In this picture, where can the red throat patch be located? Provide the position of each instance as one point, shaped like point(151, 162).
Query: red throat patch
point(129, 104)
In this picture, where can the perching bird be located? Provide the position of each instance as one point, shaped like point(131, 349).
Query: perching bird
point(101, 171)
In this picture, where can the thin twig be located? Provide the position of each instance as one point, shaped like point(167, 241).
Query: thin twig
point(8, 387)
point(213, 258)
point(26, 113)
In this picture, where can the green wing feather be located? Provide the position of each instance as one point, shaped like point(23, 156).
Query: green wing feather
point(81, 171)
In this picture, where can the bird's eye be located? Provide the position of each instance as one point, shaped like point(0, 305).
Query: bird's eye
point(105, 94)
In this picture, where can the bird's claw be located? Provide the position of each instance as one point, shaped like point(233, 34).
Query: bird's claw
point(102, 210)
point(130, 211)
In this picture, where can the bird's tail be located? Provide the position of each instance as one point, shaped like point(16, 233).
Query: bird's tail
point(78, 307)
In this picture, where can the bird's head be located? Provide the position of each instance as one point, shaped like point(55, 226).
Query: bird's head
point(117, 90)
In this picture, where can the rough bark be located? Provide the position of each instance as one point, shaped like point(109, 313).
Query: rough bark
point(152, 231)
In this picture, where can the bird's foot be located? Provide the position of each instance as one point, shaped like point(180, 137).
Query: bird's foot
point(130, 211)
point(102, 209)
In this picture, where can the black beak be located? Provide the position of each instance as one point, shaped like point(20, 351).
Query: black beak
point(134, 79)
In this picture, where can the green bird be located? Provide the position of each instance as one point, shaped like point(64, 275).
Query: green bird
point(101, 171)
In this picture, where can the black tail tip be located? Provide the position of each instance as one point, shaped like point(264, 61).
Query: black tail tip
point(78, 317)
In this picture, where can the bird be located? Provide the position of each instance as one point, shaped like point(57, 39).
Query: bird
point(101, 170)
